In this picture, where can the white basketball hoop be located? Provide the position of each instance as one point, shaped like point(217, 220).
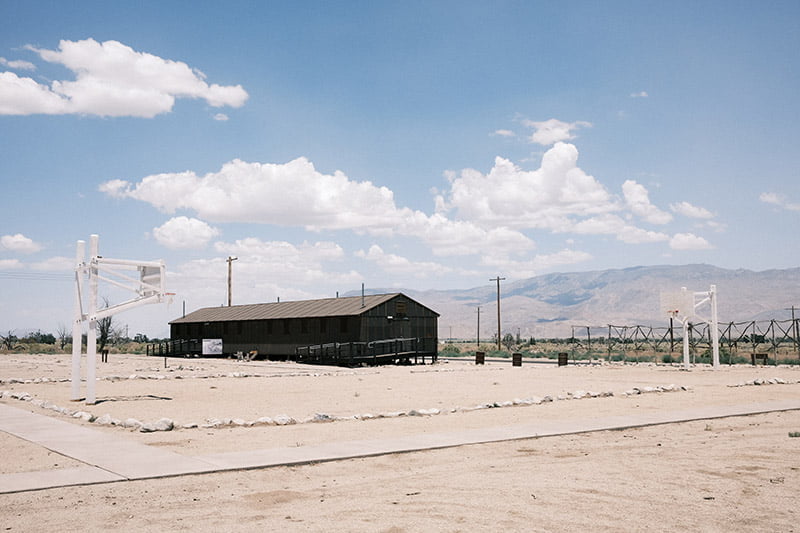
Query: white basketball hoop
point(675, 304)
point(683, 305)
point(148, 287)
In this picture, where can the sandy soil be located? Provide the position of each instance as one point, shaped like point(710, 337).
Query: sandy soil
point(734, 474)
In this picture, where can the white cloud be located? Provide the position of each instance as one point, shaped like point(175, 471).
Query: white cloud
point(281, 252)
point(546, 198)
point(552, 131)
point(638, 201)
point(19, 243)
point(267, 269)
point(111, 79)
point(533, 267)
point(221, 117)
point(296, 194)
point(640, 94)
point(689, 241)
point(692, 211)
point(58, 263)
point(395, 264)
point(10, 263)
point(460, 237)
point(23, 96)
point(19, 64)
point(504, 133)
point(779, 200)
point(184, 233)
point(291, 194)
point(610, 224)
point(479, 214)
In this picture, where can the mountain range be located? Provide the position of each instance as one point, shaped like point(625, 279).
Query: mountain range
point(551, 304)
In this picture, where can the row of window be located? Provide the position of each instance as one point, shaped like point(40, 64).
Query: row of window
point(335, 325)
point(270, 327)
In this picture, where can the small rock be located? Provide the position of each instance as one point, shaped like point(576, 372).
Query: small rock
point(131, 423)
point(83, 415)
point(163, 424)
point(104, 420)
point(284, 420)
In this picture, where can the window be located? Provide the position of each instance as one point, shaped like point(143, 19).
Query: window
point(343, 324)
point(323, 325)
point(286, 329)
point(304, 325)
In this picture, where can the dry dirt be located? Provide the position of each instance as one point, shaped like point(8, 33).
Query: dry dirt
point(732, 474)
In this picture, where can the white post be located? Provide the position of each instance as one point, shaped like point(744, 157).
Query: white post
point(712, 293)
point(91, 338)
point(77, 323)
point(685, 322)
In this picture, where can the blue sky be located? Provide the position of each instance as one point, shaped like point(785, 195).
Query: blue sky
point(398, 144)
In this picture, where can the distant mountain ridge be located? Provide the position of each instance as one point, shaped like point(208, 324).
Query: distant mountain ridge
point(550, 304)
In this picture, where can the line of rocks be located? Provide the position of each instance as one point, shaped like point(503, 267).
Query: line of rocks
point(157, 377)
point(763, 381)
point(647, 390)
point(165, 424)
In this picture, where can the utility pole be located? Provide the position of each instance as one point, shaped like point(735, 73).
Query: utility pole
point(230, 260)
point(479, 328)
point(498, 279)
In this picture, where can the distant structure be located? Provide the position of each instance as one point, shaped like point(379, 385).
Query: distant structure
point(357, 327)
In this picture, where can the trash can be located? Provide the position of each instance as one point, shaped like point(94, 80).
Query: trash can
point(562, 358)
point(516, 359)
point(480, 357)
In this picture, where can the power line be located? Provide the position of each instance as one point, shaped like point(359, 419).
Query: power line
point(35, 276)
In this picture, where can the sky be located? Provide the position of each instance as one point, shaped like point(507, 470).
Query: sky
point(419, 145)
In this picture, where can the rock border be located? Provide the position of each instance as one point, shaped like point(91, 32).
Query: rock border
point(166, 424)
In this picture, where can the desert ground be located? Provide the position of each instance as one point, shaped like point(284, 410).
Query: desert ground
point(723, 474)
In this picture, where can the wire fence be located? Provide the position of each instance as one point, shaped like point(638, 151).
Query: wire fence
point(768, 341)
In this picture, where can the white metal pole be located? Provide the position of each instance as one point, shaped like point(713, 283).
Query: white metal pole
point(712, 293)
point(91, 339)
point(77, 323)
point(685, 322)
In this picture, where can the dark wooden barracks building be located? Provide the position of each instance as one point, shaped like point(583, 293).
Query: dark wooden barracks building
point(347, 327)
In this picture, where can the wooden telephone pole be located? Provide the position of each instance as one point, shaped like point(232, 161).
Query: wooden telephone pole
point(230, 260)
point(498, 279)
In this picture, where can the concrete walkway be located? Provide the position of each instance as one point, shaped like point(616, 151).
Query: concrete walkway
point(110, 458)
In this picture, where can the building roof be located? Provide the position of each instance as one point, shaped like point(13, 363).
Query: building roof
point(345, 306)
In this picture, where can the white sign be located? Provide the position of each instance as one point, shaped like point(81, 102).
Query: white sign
point(212, 346)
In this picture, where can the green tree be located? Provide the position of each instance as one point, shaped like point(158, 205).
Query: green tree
point(10, 341)
point(508, 341)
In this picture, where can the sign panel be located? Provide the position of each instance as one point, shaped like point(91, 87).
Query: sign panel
point(212, 346)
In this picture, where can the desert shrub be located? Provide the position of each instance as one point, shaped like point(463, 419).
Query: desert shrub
point(450, 349)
